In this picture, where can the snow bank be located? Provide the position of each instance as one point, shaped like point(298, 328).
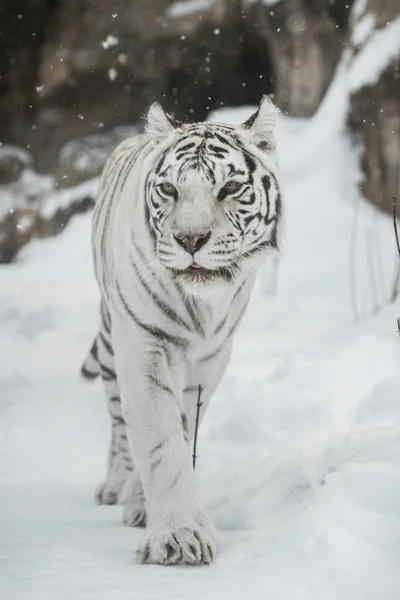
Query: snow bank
point(379, 48)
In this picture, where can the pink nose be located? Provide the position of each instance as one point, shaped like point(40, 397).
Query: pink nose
point(192, 243)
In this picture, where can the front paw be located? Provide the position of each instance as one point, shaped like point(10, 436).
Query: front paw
point(185, 545)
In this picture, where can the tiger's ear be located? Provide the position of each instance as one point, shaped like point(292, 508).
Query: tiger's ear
point(159, 125)
point(260, 127)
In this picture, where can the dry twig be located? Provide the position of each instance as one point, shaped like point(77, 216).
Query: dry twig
point(395, 224)
point(199, 404)
point(397, 277)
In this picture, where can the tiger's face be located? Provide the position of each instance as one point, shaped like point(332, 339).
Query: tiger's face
point(213, 197)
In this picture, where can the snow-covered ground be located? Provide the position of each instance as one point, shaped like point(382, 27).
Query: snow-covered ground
point(299, 455)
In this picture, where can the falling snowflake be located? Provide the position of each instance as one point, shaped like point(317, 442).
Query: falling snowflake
point(112, 74)
point(109, 42)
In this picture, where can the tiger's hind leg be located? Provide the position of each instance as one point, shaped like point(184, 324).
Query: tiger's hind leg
point(120, 463)
point(108, 492)
point(122, 484)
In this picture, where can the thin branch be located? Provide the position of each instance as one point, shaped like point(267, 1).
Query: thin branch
point(199, 404)
point(395, 224)
point(395, 290)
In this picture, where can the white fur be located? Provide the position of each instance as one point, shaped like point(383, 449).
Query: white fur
point(158, 125)
point(158, 379)
point(263, 128)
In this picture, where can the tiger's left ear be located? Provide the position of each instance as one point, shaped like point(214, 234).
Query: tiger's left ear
point(159, 125)
point(260, 127)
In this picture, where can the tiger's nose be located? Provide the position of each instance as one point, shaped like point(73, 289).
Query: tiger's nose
point(192, 243)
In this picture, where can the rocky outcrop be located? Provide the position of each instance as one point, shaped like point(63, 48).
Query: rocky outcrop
point(304, 39)
point(30, 206)
point(374, 112)
point(79, 68)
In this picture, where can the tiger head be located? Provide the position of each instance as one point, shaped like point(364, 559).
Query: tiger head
point(213, 197)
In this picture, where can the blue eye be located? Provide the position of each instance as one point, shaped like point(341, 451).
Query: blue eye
point(232, 186)
point(168, 188)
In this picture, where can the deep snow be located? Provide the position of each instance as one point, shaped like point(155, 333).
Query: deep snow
point(299, 454)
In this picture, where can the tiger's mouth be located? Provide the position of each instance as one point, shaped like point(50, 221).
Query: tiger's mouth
point(195, 273)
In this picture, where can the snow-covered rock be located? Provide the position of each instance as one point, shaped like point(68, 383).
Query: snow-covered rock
point(373, 81)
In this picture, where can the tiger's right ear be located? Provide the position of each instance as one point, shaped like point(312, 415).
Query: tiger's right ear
point(260, 127)
point(159, 125)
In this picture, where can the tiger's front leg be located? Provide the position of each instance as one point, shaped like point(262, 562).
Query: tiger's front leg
point(150, 375)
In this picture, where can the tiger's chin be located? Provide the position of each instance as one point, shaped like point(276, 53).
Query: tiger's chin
point(202, 281)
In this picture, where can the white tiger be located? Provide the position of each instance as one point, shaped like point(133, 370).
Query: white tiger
point(185, 214)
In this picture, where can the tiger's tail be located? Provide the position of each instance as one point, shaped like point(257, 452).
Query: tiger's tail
point(91, 367)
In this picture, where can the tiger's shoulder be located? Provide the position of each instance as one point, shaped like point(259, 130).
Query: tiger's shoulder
point(126, 150)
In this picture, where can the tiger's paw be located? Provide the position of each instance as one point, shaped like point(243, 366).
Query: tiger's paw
point(134, 514)
point(133, 499)
point(186, 545)
point(110, 491)
point(107, 494)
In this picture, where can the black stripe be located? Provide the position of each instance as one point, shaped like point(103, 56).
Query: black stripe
point(195, 319)
point(105, 318)
point(220, 326)
point(123, 173)
point(232, 329)
point(157, 447)
point(237, 293)
point(93, 350)
point(212, 354)
point(160, 384)
point(165, 308)
point(176, 478)
point(143, 258)
point(88, 374)
point(185, 426)
point(158, 333)
point(107, 374)
point(155, 464)
point(266, 183)
point(247, 202)
point(218, 149)
point(266, 244)
point(106, 344)
point(221, 347)
point(250, 121)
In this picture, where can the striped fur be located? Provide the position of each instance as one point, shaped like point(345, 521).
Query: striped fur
point(169, 310)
